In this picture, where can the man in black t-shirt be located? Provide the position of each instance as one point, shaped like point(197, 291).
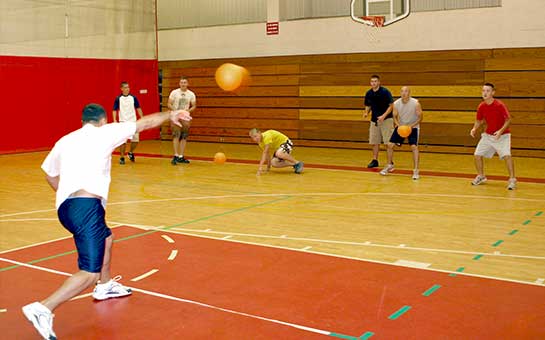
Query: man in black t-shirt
point(379, 101)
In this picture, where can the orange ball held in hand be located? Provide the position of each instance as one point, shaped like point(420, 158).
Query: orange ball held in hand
point(404, 131)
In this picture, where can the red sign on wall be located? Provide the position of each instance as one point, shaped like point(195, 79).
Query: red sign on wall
point(273, 28)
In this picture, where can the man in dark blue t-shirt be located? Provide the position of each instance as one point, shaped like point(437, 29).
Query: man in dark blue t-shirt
point(379, 101)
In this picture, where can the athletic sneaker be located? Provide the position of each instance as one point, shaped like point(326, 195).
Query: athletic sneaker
point(478, 180)
point(42, 319)
point(512, 184)
point(388, 168)
point(122, 160)
point(131, 156)
point(111, 289)
point(373, 164)
point(174, 160)
point(299, 167)
point(416, 175)
point(182, 160)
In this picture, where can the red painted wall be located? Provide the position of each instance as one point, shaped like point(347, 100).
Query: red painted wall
point(42, 98)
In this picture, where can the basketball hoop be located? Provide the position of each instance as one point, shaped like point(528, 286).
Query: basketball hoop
point(372, 26)
point(374, 20)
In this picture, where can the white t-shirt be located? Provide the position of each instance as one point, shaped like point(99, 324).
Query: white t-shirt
point(83, 159)
point(407, 111)
point(126, 106)
point(181, 100)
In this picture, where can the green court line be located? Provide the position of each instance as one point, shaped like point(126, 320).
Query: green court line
point(459, 270)
point(158, 230)
point(526, 222)
point(539, 213)
point(366, 335)
point(431, 290)
point(497, 243)
point(513, 232)
point(478, 256)
point(342, 336)
point(400, 312)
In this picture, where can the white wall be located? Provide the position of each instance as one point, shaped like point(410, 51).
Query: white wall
point(117, 29)
point(518, 23)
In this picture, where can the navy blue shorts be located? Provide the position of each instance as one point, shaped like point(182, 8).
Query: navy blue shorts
point(398, 140)
point(84, 217)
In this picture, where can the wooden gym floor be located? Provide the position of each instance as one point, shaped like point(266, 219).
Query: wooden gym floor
point(440, 223)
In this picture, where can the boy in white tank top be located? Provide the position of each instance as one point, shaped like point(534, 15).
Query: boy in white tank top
point(407, 111)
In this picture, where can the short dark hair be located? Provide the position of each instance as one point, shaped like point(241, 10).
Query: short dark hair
point(490, 85)
point(183, 78)
point(92, 113)
point(375, 76)
point(123, 83)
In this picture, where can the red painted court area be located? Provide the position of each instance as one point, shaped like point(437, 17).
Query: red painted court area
point(215, 289)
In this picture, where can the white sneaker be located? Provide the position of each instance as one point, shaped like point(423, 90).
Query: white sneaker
point(388, 168)
point(111, 289)
point(415, 174)
point(42, 319)
point(512, 184)
point(478, 180)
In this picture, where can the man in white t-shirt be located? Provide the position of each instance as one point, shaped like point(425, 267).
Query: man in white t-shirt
point(181, 99)
point(78, 169)
point(127, 105)
point(407, 111)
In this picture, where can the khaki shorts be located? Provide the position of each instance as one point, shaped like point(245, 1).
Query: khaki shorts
point(489, 145)
point(382, 132)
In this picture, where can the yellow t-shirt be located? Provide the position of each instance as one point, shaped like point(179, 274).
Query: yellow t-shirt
point(274, 138)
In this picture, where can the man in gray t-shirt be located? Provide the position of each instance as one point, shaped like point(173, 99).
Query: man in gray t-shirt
point(408, 112)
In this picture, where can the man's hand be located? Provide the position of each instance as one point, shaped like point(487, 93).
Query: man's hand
point(380, 119)
point(472, 132)
point(179, 115)
point(497, 134)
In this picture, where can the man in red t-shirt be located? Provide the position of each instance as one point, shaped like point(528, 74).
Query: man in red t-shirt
point(496, 138)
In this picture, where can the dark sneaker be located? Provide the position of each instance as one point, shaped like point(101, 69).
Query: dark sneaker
point(174, 160)
point(299, 167)
point(373, 164)
point(122, 160)
point(182, 160)
point(131, 156)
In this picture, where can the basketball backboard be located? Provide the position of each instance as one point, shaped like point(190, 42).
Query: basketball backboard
point(391, 10)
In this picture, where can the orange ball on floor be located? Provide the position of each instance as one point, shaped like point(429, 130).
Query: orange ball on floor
point(219, 158)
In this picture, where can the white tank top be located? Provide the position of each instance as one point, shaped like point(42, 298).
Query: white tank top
point(407, 111)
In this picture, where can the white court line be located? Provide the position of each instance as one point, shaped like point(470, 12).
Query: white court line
point(380, 194)
point(357, 258)
point(306, 248)
point(173, 255)
point(169, 240)
point(368, 244)
point(82, 296)
point(3, 310)
point(169, 297)
point(29, 219)
point(227, 237)
point(412, 264)
point(540, 281)
point(143, 276)
point(44, 242)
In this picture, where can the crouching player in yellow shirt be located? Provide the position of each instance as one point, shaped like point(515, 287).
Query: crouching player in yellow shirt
point(272, 141)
